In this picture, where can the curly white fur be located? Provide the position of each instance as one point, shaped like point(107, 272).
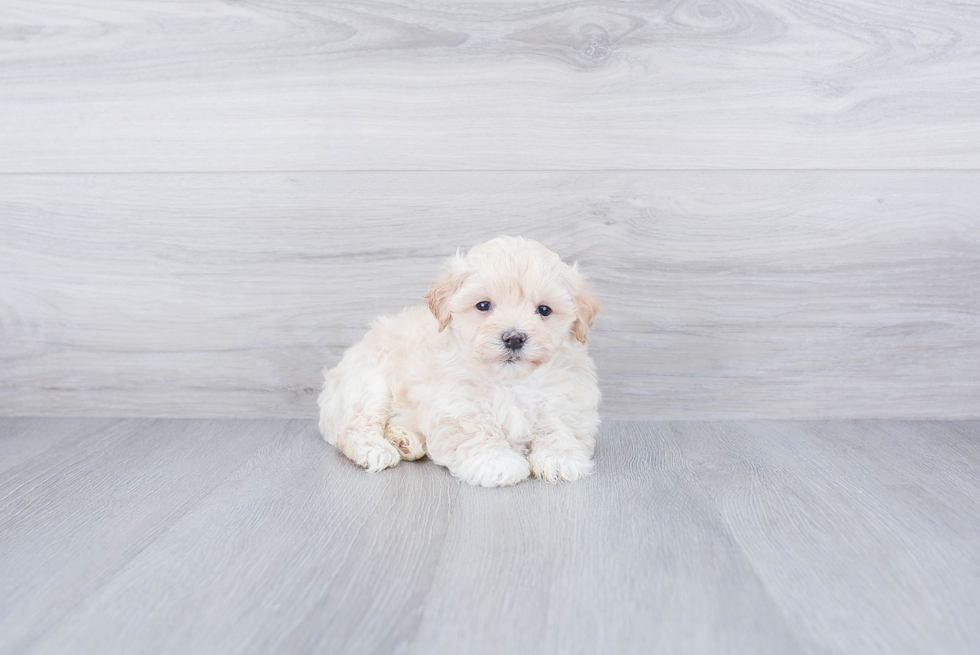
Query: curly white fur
point(441, 380)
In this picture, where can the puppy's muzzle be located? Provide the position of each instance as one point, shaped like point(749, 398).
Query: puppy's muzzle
point(514, 340)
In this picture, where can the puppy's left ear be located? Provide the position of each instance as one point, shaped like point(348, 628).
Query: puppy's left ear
point(445, 287)
point(586, 305)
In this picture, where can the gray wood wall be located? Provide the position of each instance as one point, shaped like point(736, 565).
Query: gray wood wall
point(203, 203)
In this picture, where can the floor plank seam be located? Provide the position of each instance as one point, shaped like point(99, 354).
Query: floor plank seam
point(42, 477)
point(315, 609)
point(733, 537)
point(109, 423)
point(108, 577)
point(450, 515)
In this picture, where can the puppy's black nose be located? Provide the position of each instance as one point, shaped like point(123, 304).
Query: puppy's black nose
point(514, 340)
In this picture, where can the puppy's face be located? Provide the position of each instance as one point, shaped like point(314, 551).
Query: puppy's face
point(510, 303)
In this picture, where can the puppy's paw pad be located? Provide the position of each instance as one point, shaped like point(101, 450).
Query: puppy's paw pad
point(494, 468)
point(560, 466)
point(408, 443)
point(376, 456)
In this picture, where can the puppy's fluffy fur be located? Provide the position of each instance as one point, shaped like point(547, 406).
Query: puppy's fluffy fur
point(442, 380)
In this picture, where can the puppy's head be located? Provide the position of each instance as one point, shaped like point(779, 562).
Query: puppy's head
point(510, 304)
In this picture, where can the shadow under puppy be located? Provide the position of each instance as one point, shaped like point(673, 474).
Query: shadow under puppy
point(493, 380)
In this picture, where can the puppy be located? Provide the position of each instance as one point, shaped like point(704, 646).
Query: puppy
point(492, 380)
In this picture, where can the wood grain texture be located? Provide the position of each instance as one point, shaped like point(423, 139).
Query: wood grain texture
point(855, 520)
point(22, 439)
point(615, 564)
point(74, 514)
point(298, 552)
point(691, 537)
point(87, 85)
point(726, 294)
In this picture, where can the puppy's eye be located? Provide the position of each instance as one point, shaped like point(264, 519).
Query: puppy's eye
point(483, 306)
point(544, 310)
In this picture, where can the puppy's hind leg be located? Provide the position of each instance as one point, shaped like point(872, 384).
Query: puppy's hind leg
point(354, 407)
point(410, 444)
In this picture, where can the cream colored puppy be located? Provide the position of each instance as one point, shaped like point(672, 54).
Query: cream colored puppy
point(493, 380)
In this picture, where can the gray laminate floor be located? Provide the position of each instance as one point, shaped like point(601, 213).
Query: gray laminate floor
point(194, 536)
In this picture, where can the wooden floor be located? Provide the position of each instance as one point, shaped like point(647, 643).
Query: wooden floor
point(195, 536)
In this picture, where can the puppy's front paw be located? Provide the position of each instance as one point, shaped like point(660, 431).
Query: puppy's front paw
point(374, 454)
point(493, 467)
point(560, 465)
point(408, 443)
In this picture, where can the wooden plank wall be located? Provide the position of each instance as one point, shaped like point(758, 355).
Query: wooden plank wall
point(202, 203)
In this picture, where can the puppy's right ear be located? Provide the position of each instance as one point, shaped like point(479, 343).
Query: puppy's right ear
point(586, 305)
point(445, 287)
